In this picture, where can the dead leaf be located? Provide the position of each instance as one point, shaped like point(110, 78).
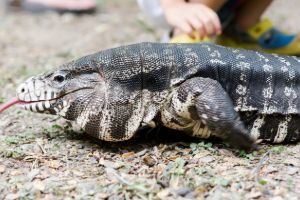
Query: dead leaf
point(39, 185)
point(78, 173)
point(202, 189)
point(270, 169)
point(158, 169)
point(73, 151)
point(150, 161)
point(72, 182)
point(292, 170)
point(207, 159)
point(280, 191)
point(163, 193)
point(54, 164)
point(253, 195)
point(173, 158)
point(108, 163)
point(33, 173)
point(15, 173)
point(2, 169)
point(292, 161)
point(128, 155)
point(96, 154)
point(226, 153)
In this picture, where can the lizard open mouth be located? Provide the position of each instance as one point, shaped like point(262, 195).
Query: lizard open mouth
point(35, 106)
point(51, 103)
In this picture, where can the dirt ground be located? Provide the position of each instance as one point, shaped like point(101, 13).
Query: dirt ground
point(42, 159)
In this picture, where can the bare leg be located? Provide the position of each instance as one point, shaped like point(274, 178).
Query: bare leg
point(66, 4)
point(249, 13)
point(213, 4)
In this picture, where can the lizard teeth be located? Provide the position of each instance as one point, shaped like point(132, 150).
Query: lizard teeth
point(40, 106)
point(56, 110)
point(47, 104)
point(37, 106)
point(33, 107)
point(49, 95)
point(27, 107)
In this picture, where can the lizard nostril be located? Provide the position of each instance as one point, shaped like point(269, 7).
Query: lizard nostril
point(22, 89)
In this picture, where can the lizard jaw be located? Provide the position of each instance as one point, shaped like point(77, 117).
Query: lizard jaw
point(35, 96)
point(37, 106)
point(56, 106)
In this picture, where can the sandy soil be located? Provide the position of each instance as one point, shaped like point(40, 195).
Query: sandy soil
point(42, 159)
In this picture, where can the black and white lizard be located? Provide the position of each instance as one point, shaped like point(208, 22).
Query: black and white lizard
point(201, 89)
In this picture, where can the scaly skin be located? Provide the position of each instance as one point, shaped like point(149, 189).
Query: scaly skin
point(201, 89)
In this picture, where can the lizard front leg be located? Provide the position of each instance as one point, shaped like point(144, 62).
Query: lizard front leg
point(204, 101)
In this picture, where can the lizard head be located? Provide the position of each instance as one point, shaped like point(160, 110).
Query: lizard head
point(66, 91)
point(96, 92)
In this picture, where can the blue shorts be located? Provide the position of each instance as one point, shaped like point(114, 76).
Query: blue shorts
point(228, 10)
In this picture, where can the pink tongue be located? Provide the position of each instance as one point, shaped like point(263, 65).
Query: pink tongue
point(12, 102)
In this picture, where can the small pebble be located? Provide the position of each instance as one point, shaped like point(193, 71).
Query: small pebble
point(150, 161)
point(2, 169)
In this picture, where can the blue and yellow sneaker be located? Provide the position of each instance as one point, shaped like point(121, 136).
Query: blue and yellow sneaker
point(263, 37)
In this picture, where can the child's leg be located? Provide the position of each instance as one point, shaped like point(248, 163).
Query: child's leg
point(75, 6)
point(213, 4)
point(249, 13)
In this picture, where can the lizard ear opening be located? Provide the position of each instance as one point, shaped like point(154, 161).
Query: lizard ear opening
point(102, 75)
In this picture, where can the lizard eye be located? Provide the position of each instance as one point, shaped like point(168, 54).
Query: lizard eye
point(59, 78)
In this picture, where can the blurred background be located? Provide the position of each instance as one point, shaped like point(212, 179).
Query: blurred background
point(39, 41)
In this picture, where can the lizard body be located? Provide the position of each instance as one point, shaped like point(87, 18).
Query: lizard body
point(201, 89)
